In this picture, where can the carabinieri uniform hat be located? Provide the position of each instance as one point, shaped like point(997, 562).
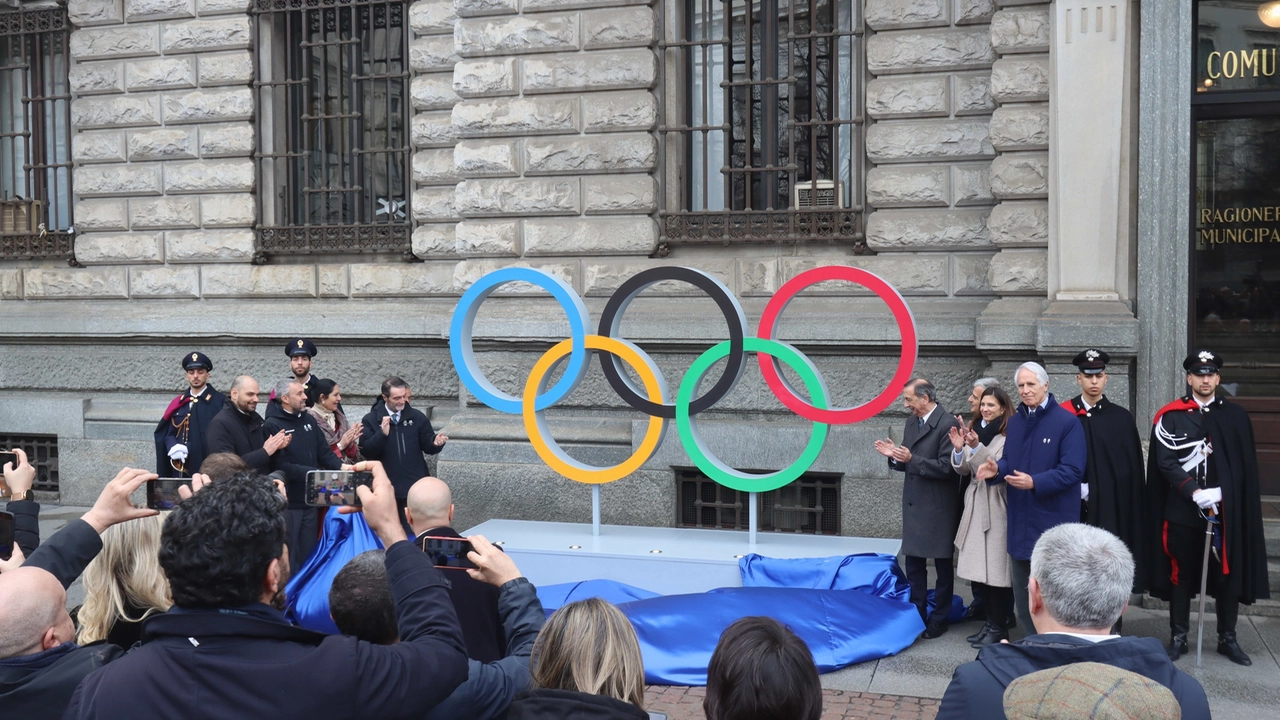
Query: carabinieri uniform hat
point(1091, 361)
point(1202, 362)
point(194, 360)
point(300, 346)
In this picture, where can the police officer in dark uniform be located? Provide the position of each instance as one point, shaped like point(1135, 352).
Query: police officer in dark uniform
point(180, 446)
point(1202, 486)
point(300, 352)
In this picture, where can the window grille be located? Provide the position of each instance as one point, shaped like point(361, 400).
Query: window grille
point(42, 453)
point(35, 135)
point(333, 127)
point(765, 143)
point(809, 505)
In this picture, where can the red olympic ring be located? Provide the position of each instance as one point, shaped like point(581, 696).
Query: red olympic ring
point(906, 328)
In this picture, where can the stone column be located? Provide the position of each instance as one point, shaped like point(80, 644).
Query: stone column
point(1092, 183)
point(1164, 204)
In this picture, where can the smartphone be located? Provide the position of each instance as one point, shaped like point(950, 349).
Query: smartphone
point(326, 488)
point(162, 493)
point(446, 552)
point(6, 535)
point(8, 457)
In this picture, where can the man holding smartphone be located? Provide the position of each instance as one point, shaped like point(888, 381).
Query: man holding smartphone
point(399, 435)
point(305, 451)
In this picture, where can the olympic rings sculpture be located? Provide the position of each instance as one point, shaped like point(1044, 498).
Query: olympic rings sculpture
point(575, 352)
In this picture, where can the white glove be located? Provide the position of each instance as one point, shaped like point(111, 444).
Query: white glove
point(1084, 491)
point(178, 452)
point(1207, 497)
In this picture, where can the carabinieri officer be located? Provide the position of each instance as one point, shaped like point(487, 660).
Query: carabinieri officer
point(180, 447)
point(1203, 471)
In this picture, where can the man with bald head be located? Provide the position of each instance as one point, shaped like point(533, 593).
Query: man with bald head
point(429, 511)
point(238, 428)
point(40, 663)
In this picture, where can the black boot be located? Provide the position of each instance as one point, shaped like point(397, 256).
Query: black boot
point(1228, 646)
point(978, 608)
point(986, 628)
point(1179, 622)
point(992, 638)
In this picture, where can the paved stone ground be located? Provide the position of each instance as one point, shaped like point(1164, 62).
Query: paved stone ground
point(909, 684)
point(685, 703)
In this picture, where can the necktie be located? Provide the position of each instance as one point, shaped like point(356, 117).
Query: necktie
point(395, 418)
point(921, 423)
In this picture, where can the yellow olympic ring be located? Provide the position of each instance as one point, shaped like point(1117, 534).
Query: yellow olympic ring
point(540, 436)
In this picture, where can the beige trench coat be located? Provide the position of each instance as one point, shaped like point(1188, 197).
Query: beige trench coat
point(982, 540)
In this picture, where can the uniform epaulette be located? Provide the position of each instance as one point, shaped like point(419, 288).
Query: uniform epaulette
point(1183, 404)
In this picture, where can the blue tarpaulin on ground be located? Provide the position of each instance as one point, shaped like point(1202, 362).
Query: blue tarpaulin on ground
point(848, 609)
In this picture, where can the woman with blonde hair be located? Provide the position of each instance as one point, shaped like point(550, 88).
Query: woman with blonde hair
point(124, 585)
point(586, 665)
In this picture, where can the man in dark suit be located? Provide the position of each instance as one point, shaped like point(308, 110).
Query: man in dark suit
point(931, 500)
point(430, 513)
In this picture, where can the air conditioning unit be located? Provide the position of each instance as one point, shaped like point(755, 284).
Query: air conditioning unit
point(820, 195)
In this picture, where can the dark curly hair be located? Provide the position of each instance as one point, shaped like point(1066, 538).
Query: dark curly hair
point(215, 547)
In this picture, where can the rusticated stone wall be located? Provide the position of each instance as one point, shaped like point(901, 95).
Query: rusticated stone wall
point(1019, 223)
point(163, 141)
point(930, 108)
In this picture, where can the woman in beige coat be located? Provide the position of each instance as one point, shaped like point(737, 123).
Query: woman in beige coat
point(983, 557)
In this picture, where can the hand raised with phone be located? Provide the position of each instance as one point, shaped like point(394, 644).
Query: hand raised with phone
point(378, 504)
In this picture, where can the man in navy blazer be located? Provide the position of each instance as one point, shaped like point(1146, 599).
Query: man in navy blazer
point(226, 651)
point(1043, 464)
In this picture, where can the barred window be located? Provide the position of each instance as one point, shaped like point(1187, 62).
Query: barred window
point(809, 505)
point(765, 142)
point(333, 126)
point(42, 453)
point(35, 135)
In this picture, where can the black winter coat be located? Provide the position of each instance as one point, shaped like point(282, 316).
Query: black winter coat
point(977, 688)
point(544, 704)
point(40, 686)
point(490, 687)
point(477, 604)
point(306, 451)
point(250, 663)
point(26, 524)
point(232, 431)
point(401, 449)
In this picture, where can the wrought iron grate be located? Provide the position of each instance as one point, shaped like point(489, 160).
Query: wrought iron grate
point(35, 135)
point(333, 127)
point(809, 505)
point(42, 453)
point(772, 103)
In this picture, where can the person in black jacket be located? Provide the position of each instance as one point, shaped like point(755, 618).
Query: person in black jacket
point(40, 663)
point(238, 428)
point(306, 451)
point(1080, 581)
point(430, 512)
point(361, 605)
point(180, 434)
point(226, 651)
point(398, 435)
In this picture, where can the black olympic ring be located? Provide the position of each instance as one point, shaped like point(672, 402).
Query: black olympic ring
point(736, 319)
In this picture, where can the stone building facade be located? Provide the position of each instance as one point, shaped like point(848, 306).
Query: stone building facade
point(994, 184)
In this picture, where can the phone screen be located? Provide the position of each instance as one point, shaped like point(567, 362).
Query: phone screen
point(6, 535)
point(328, 488)
point(162, 493)
point(8, 457)
point(446, 552)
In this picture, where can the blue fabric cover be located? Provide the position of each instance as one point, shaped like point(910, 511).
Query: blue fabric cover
point(344, 537)
point(848, 610)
